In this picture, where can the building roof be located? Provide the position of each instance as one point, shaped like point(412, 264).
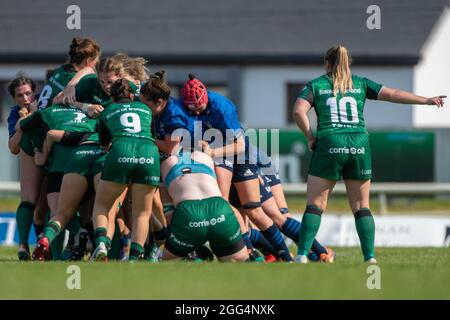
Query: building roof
point(217, 32)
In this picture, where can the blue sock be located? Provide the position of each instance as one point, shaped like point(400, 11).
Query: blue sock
point(317, 248)
point(261, 243)
point(291, 228)
point(273, 235)
point(247, 241)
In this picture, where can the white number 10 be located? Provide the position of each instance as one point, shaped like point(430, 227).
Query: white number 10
point(131, 121)
point(341, 116)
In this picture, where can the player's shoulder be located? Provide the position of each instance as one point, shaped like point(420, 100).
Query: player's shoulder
point(174, 108)
point(219, 105)
point(14, 110)
point(325, 78)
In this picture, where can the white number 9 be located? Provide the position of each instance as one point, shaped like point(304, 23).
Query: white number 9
point(131, 121)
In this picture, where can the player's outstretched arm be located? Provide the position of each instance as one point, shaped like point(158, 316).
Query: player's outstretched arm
point(400, 96)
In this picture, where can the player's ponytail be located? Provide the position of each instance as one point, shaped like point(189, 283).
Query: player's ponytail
point(156, 87)
point(83, 48)
point(339, 62)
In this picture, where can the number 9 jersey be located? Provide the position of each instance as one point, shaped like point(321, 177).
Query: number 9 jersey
point(341, 113)
point(129, 119)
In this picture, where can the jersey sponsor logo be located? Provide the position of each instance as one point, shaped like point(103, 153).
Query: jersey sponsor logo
point(79, 117)
point(346, 150)
point(89, 152)
point(179, 242)
point(134, 160)
point(152, 178)
point(56, 83)
point(329, 91)
point(234, 236)
point(207, 223)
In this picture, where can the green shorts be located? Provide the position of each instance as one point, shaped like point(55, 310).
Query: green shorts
point(59, 158)
point(132, 160)
point(31, 140)
point(345, 156)
point(86, 160)
point(195, 222)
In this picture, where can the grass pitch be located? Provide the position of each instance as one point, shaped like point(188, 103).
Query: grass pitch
point(413, 273)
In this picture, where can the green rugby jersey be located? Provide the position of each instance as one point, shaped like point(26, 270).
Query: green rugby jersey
point(125, 119)
point(60, 117)
point(55, 84)
point(343, 113)
point(89, 90)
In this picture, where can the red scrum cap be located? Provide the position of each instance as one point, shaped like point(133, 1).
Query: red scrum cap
point(194, 92)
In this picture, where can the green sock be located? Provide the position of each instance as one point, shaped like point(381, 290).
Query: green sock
point(57, 246)
point(136, 251)
point(365, 226)
point(308, 231)
point(24, 220)
point(100, 236)
point(51, 231)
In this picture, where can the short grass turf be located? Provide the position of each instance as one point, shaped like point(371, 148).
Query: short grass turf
point(406, 273)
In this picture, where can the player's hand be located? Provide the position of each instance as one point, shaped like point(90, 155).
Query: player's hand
point(69, 94)
point(33, 107)
point(58, 99)
point(94, 110)
point(23, 112)
point(312, 144)
point(204, 146)
point(437, 101)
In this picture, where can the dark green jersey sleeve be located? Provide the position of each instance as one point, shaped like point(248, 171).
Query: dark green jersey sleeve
point(372, 89)
point(32, 122)
point(307, 93)
point(85, 87)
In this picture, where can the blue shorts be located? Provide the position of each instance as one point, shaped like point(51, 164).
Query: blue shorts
point(272, 179)
point(264, 191)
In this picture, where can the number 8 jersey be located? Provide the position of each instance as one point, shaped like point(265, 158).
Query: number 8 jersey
point(125, 119)
point(341, 113)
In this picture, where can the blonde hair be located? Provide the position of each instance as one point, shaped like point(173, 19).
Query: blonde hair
point(111, 64)
point(339, 61)
point(133, 67)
